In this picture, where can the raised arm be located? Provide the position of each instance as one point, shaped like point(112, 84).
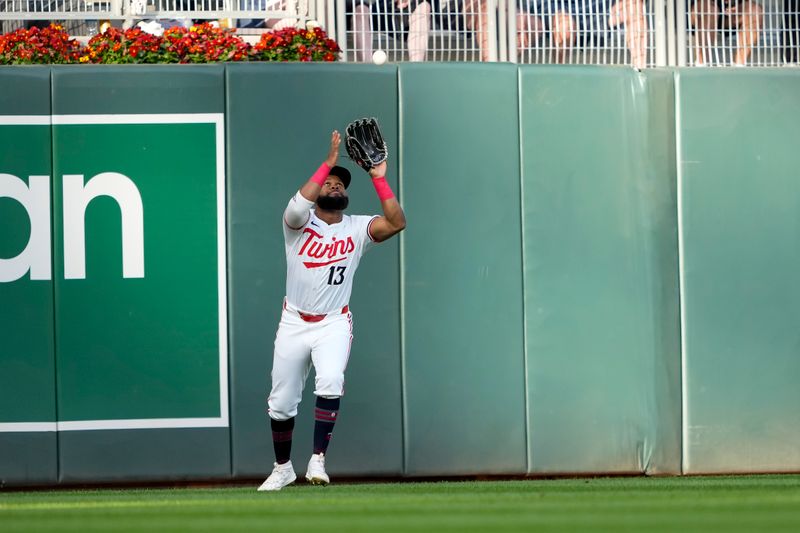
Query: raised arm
point(393, 220)
point(296, 214)
point(311, 189)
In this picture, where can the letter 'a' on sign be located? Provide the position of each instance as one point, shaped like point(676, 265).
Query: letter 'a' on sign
point(35, 198)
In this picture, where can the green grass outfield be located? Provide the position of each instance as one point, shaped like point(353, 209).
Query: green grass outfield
point(730, 503)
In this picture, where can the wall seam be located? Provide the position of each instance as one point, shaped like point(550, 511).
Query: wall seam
point(402, 284)
point(526, 390)
point(681, 275)
point(53, 273)
point(228, 281)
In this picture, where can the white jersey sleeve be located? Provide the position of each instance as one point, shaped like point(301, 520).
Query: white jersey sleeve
point(297, 211)
point(321, 261)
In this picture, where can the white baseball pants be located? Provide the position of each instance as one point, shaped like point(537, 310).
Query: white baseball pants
point(298, 345)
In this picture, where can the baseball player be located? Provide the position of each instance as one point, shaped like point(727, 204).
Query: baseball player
point(323, 249)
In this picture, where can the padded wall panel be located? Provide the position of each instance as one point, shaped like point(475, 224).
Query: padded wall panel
point(141, 334)
point(280, 122)
point(601, 282)
point(28, 441)
point(462, 314)
point(740, 199)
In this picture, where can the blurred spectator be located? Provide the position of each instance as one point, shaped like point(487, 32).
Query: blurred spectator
point(390, 16)
point(419, 25)
point(791, 40)
point(632, 14)
point(362, 28)
point(41, 24)
point(286, 6)
point(710, 17)
point(410, 20)
point(566, 19)
point(476, 15)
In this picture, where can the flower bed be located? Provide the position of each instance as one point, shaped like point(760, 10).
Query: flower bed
point(292, 44)
point(202, 43)
point(49, 45)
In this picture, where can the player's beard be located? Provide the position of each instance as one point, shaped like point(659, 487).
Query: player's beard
point(333, 203)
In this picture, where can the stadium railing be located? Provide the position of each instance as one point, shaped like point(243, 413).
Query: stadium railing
point(642, 33)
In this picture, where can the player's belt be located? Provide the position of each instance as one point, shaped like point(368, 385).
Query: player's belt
point(316, 318)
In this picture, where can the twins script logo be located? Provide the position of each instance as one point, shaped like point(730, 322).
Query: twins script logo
point(333, 252)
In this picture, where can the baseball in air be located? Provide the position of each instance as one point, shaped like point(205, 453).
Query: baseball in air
point(379, 57)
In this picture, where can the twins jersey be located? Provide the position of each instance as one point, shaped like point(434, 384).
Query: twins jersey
point(321, 261)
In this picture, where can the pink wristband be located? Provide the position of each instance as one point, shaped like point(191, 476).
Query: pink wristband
point(321, 174)
point(382, 188)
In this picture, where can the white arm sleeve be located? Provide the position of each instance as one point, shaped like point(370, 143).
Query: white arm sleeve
point(297, 212)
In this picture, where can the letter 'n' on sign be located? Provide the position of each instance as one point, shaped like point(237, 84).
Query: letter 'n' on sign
point(77, 196)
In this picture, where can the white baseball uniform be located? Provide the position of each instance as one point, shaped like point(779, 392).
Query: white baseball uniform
point(316, 324)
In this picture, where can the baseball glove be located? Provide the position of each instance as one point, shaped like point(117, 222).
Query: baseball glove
point(365, 144)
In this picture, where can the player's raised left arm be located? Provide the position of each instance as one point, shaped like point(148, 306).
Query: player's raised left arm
point(310, 190)
point(296, 213)
point(393, 220)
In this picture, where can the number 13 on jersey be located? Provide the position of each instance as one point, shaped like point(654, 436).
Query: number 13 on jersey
point(336, 275)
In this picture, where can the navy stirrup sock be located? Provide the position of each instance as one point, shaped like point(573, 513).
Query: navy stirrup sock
point(282, 439)
point(324, 418)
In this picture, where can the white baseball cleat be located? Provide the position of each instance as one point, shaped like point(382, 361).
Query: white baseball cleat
point(316, 470)
point(281, 476)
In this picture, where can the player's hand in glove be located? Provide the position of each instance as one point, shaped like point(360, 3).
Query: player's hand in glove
point(378, 171)
point(365, 144)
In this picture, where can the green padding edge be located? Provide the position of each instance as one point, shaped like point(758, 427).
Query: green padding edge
point(280, 120)
point(144, 455)
point(601, 281)
point(25, 90)
point(462, 315)
point(121, 89)
point(740, 209)
point(27, 359)
point(28, 458)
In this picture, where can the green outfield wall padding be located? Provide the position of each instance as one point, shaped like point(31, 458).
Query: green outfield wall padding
point(280, 122)
point(28, 458)
point(597, 274)
point(739, 161)
point(140, 255)
point(601, 283)
point(462, 309)
point(27, 359)
point(26, 91)
point(137, 455)
point(165, 89)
